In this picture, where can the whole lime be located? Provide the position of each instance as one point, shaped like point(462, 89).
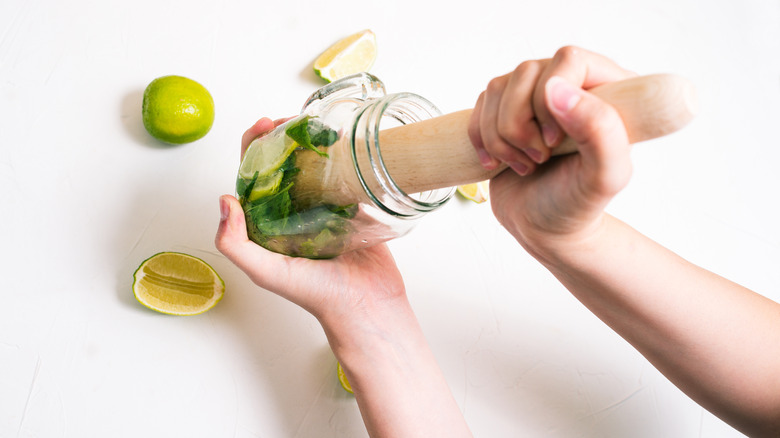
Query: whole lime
point(177, 110)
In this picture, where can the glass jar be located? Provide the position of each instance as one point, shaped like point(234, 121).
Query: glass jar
point(317, 186)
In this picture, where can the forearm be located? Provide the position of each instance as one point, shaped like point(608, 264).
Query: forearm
point(398, 385)
point(717, 341)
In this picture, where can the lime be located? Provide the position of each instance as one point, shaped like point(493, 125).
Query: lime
point(177, 284)
point(266, 186)
point(177, 110)
point(477, 192)
point(266, 154)
point(343, 379)
point(353, 54)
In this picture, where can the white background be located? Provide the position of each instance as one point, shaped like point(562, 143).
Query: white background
point(87, 194)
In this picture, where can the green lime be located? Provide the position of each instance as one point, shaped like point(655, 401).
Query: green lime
point(177, 109)
point(266, 154)
point(177, 284)
point(265, 186)
point(343, 379)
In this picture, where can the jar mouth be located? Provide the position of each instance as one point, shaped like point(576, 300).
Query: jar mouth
point(389, 111)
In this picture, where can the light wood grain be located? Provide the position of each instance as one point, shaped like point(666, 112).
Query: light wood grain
point(437, 153)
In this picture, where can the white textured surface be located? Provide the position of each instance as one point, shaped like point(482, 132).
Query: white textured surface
point(86, 195)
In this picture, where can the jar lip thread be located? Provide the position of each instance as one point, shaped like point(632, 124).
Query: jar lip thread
point(405, 108)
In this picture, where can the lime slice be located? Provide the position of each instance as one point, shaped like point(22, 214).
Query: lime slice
point(477, 192)
point(266, 186)
point(177, 284)
point(353, 54)
point(266, 155)
point(343, 379)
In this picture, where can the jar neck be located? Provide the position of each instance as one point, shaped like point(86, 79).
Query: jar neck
point(382, 113)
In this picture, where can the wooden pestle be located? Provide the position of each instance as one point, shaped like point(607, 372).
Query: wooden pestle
point(437, 152)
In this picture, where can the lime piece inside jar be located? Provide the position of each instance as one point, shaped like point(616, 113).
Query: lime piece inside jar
point(265, 186)
point(266, 155)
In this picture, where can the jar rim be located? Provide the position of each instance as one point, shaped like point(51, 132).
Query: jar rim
point(404, 108)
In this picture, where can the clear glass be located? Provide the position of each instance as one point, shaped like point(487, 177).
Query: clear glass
point(317, 187)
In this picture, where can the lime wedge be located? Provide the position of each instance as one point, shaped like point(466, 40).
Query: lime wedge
point(343, 379)
point(477, 192)
point(177, 284)
point(353, 54)
point(266, 155)
point(266, 186)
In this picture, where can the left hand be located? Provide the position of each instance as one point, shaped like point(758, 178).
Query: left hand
point(341, 289)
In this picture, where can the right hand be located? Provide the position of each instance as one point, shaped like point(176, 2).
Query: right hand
point(521, 117)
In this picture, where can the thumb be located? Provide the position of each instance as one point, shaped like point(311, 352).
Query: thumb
point(263, 267)
point(232, 226)
point(597, 129)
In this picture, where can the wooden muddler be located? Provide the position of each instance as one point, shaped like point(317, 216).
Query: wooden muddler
point(437, 152)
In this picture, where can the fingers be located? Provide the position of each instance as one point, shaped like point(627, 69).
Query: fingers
point(579, 67)
point(501, 128)
point(516, 121)
point(511, 122)
point(264, 268)
point(501, 139)
point(598, 130)
point(260, 127)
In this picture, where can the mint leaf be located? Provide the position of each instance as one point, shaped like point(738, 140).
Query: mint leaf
point(310, 133)
point(320, 134)
point(298, 132)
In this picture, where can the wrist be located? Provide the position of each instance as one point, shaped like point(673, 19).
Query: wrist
point(562, 248)
point(368, 325)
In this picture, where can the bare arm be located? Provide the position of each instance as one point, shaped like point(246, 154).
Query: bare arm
point(716, 340)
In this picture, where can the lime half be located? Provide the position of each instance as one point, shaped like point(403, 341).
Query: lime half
point(177, 284)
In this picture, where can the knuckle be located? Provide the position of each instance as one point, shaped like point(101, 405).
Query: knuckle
point(496, 84)
point(567, 53)
point(605, 122)
point(527, 67)
point(513, 132)
point(498, 148)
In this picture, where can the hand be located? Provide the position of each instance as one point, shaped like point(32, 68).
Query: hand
point(359, 299)
point(522, 116)
point(333, 290)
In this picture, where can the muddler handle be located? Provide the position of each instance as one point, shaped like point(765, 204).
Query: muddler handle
point(437, 153)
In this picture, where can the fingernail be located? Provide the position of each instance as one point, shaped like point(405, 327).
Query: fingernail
point(484, 159)
point(519, 168)
point(533, 154)
point(224, 209)
point(549, 134)
point(563, 95)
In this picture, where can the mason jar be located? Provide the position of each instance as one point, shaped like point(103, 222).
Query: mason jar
point(317, 186)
